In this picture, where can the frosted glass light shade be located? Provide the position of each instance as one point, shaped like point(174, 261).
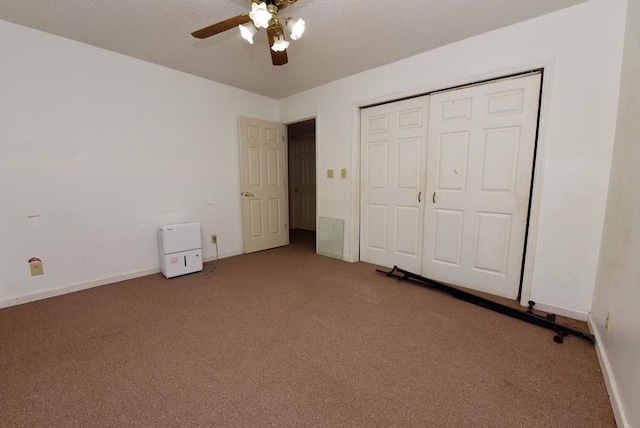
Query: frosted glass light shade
point(279, 44)
point(247, 31)
point(260, 15)
point(296, 26)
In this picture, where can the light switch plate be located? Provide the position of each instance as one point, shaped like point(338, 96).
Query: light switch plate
point(329, 173)
point(343, 173)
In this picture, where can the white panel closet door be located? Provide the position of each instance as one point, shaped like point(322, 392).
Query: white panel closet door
point(480, 163)
point(393, 156)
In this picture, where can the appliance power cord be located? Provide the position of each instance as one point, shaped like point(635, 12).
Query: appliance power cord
point(212, 271)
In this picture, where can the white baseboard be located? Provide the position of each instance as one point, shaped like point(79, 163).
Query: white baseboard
point(75, 287)
point(222, 256)
point(609, 379)
point(85, 285)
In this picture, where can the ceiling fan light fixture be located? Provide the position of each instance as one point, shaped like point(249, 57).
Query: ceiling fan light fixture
point(260, 15)
point(263, 14)
point(247, 31)
point(279, 44)
point(296, 26)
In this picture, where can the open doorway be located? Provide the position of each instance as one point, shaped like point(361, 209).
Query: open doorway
point(302, 182)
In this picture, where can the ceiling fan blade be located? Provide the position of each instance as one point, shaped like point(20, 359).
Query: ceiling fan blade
point(225, 25)
point(277, 58)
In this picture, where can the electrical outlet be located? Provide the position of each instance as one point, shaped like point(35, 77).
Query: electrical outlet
point(607, 321)
point(36, 268)
point(214, 239)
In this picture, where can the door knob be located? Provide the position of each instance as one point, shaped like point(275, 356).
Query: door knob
point(247, 194)
point(295, 190)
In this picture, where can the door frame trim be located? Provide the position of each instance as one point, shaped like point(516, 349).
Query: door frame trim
point(288, 142)
point(286, 124)
point(546, 68)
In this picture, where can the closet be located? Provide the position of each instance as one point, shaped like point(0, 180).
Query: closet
point(446, 180)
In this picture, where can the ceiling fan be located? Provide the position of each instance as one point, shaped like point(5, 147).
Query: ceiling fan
point(264, 14)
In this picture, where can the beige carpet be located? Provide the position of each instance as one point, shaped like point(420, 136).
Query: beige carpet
point(287, 338)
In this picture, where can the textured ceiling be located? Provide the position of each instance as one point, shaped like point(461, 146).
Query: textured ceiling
point(343, 37)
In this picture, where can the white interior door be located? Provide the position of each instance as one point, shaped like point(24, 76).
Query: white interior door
point(302, 175)
point(479, 163)
point(264, 188)
point(393, 154)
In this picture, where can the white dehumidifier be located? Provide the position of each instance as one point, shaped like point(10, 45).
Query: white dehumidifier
point(180, 249)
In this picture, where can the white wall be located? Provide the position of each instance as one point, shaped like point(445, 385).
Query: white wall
point(618, 280)
point(581, 49)
point(97, 150)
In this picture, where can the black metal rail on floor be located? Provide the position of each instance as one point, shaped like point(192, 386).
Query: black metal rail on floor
point(547, 321)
